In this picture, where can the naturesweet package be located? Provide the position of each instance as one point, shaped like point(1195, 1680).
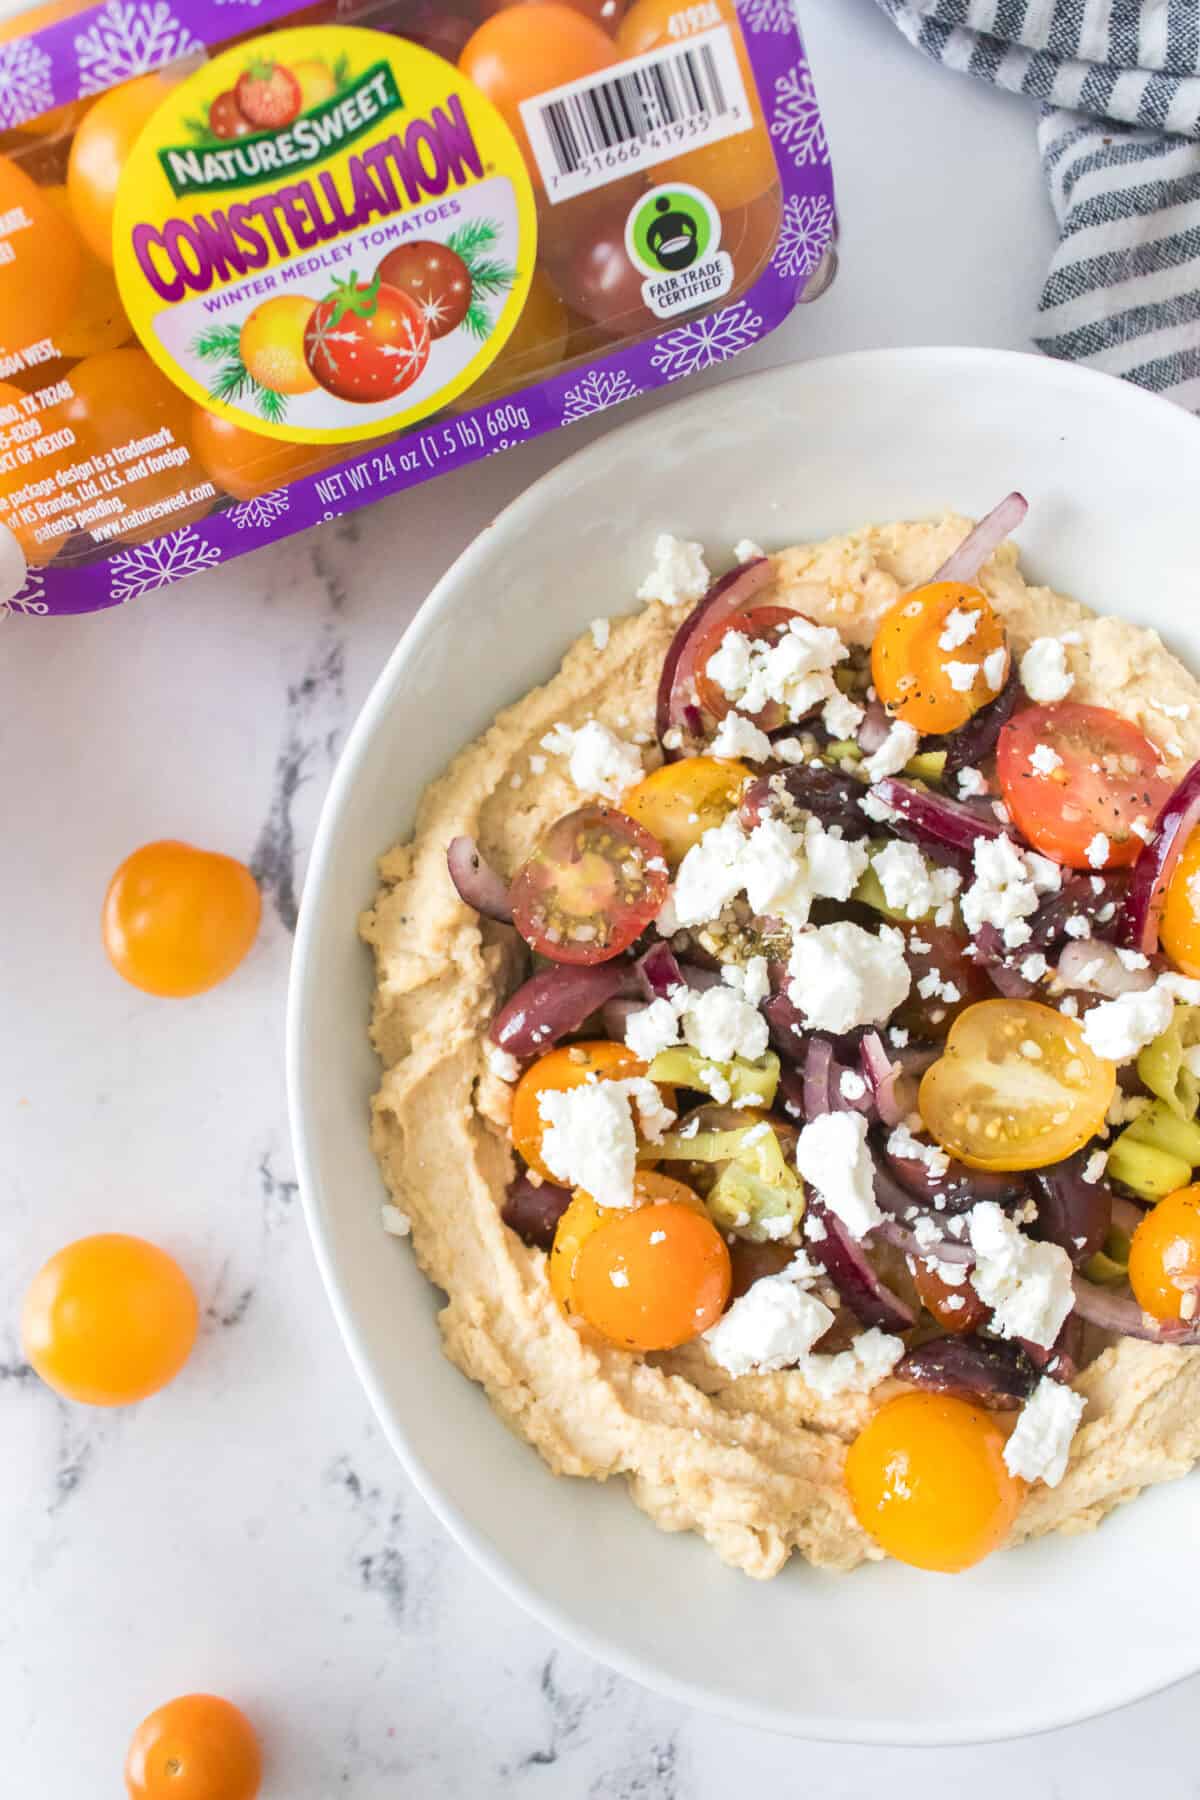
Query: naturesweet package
point(260, 266)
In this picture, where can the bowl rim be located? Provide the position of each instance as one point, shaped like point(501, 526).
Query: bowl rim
point(1020, 1719)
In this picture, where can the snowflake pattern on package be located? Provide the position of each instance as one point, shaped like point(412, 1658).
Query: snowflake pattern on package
point(25, 87)
point(261, 510)
point(796, 123)
point(805, 232)
point(712, 338)
point(129, 38)
point(766, 15)
point(145, 567)
point(598, 390)
point(31, 600)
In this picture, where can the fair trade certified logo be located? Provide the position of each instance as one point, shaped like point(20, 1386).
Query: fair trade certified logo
point(673, 235)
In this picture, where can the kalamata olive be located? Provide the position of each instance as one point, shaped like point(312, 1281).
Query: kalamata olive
point(817, 788)
point(997, 1375)
point(751, 1262)
point(533, 1210)
point(938, 950)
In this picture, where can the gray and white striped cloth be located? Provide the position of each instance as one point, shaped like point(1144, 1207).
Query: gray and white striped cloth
point(1118, 86)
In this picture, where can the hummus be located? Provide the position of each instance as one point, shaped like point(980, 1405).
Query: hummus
point(754, 1464)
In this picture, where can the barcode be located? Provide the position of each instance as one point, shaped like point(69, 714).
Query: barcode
point(654, 107)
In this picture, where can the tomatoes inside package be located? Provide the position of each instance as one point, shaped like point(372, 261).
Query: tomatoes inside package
point(249, 282)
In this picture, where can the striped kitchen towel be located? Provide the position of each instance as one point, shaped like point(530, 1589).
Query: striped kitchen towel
point(1118, 86)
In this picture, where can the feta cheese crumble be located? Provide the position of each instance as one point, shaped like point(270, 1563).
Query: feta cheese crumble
point(599, 629)
point(751, 981)
point(995, 668)
point(737, 736)
point(590, 1141)
point(972, 785)
point(1118, 1029)
point(746, 550)
point(911, 885)
point(794, 670)
point(832, 1156)
point(1027, 1284)
point(841, 976)
point(1044, 673)
point(903, 1143)
point(1004, 892)
point(841, 716)
point(599, 762)
point(395, 1222)
point(1045, 759)
point(962, 675)
point(1097, 851)
point(503, 1065)
point(1041, 1442)
point(780, 870)
point(897, 748)
point(773, 1325)
point(959, 628)
point(869, 1360)
point(679, 575)
point(655, 1027)
point(721, 1025)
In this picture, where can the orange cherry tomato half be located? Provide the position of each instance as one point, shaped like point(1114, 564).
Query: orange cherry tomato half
point(198, 1747)
point(1164, 1257)
point(678, 803)
point(108, 1320)
point(1016, 1087)
point(525, 49)
point(762, 624)
point(591, 887)
point(1106, 779)
point(927, 1478)
point(178, 920)
point(570, 1066)
point(957, 1309)
point(39, 284)
point(933, 685)
point(653, 1278)
point(99, 152)
point(1179, 929)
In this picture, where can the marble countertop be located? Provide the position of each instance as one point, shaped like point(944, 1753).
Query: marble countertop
point(248, 1531)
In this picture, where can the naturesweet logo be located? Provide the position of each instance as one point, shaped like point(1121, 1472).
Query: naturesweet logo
point(309, 139)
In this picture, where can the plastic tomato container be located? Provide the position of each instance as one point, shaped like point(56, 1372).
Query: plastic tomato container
point(260, 266)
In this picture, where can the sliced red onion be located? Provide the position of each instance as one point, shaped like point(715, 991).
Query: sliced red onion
point(677, 709)
point(882, 1073)
point(1155, 866)
point(791, 1091)
point(1093, 967)
point(946, 1249)
point(555, 1002)
point(1127, 1215)
point(936, 816)
point(1064, 1359)
point(1120, 1313)
point(998, 1375)
point(817, 788)
point(874, 729)
point(476, 882)
point(983, 540)
point(975, 741)
point(533, 1209)
point(1073, 1213)
point(818, 1074)
point(848, 1266)
point(785, 1022)
point(659, 971)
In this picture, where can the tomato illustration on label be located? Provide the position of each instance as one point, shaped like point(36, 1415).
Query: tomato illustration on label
point(366, 343)
point(325, 235)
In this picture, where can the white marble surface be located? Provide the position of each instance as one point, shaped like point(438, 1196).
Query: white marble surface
point(247, 1530)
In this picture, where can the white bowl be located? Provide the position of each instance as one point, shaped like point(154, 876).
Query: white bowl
point(1032, 1639)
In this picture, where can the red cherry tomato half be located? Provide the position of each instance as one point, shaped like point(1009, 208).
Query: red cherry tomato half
point(766, 624)
point(1104, 782)
point(591, 887)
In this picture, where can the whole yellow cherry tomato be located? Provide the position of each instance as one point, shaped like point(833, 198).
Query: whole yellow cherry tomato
point(198, 1747)
point(39, 285)
point(178, 920)
point(1164, 1257)
point(100, 151)
point(108, 1320)
point(927, 1479)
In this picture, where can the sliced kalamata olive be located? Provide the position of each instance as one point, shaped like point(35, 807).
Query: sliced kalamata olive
point(785, 1022)
point(754, 1262)
point(533, 1209)
point(938, 950)
point(1073, 1213)
point(1064, 1359)
point(555, 1002)
point(817, 788)
point(1096, 898)
point(997, 1375)
point(977, 739)
point(958, 1189)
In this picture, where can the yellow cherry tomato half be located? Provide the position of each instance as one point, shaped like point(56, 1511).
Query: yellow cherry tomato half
point(927, 1479)
point(38, 286)
point(178, 920)
point(678, 803)
point(99, 152)
point(110, 1319)
point(1015, 1088)
point(559, 1070)
point(199, 1747)
point(653, 1278)
point(1164, 1257)
point(933, 685)
point(1179, 930)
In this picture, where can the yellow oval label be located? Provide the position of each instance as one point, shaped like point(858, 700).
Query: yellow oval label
point(325, 234)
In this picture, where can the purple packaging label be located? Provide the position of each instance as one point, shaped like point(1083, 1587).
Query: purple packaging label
point(114, 42)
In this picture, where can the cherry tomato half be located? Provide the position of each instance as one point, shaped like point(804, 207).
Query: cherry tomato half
point(528, 48)
point(653, 1278)
point(932, 684)
point(1015, 1088)
point(927, 1478)
point(956, 1308)
point(1106, 779)
point(110, 1319)
point(1164, 1257)
point(590, 888)
point(198, 1747)
point(1179, 930)
point(570, 1066)
point(100, 151)
point(678, 803)
point(178, 920)
point(762, 624)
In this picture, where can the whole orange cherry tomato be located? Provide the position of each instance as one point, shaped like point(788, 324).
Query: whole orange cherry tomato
point(100, 151)
point(97, 320)
point(1164, 1257)
point(528, 48)
point(927, 1478)
point(178, 920)
point(653, 1278)
point(38, 285)
point(51, 422)
point(120, 396)
point(242, 463)
point(198, 1747)
point(110, 1319)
